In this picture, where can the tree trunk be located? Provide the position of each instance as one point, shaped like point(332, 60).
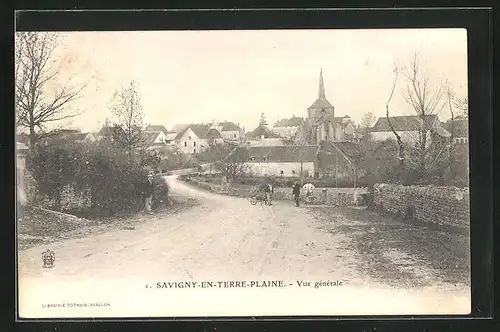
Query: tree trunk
point(32, 137)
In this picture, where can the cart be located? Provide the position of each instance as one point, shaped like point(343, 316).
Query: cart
point(260, 197)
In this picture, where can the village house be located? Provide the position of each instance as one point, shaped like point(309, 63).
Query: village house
point(361, 132)
point(336, 159)
point(231, 131)
point(157, 136)
point(459, 129)
point(289, 161)
point(263, 141)
point(196, 138)
point(409, 128)
point(287, 128)
point(321, 123)
point(276, 160)
point(68, 136)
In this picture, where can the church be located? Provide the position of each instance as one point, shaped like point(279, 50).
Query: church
point(321, 123)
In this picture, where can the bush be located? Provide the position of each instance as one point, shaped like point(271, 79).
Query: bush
point(105, 174)
point(160, 193)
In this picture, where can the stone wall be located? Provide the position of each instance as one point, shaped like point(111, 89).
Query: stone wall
point(430, 204)
point(334, 196)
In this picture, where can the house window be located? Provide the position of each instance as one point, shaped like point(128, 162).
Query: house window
point(185, 144)
point(194, 143)
point(293, 172)
point(189, 137)
point(281, 172)
point(234, 135)
point(194, 150)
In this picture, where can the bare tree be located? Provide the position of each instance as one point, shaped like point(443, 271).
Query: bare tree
point(451, 152)
point(426, 103)
point(401, 147)
point(129, 127)
point(232, 170)
point(38, 100)
point(367, 122)
point(462, 105)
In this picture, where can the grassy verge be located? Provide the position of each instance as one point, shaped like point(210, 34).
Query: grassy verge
point(390, 249)
point(39, 226)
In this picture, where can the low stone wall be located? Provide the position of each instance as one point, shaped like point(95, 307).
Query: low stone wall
point(334, 196)
point(439, 205)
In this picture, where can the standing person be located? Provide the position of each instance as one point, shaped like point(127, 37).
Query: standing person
point(149, 194)
point(296, 193)
point(308, 187)
point(269, 190)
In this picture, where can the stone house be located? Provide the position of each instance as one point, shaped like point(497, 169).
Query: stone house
point(459, 128)
point(409, 128)
point(231, 131)
point(157, 136)
point(287, 161)
point(282, 161)
point(197, 137)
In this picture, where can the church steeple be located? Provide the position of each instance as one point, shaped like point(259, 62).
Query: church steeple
point(321, 93)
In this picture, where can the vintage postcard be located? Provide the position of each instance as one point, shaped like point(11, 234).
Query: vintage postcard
point(242, 173)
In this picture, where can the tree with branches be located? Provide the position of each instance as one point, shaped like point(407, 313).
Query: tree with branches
point(39, 98)
point(367, 122)
point(401, 147)
point(426, 102)
point(128, 130)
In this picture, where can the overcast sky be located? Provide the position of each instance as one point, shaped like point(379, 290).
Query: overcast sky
point(198, 76)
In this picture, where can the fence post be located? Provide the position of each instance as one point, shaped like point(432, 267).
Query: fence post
point(324, 196)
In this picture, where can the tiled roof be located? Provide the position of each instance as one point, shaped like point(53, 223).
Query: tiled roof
point(275, 154)
point(158, 128)
point(347, 148)
point(213, 134)
point(229, 126)
point(178, 128)
point(150, 137)
point(460, 127)
point(171, 136)
point(291, 122)
point(321, 103)
point(330, 152)
point(201, 130)
point(404, 123)
point(65, 138)
point(362, 130)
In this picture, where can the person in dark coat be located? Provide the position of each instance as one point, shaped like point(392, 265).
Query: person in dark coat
point(296, 193)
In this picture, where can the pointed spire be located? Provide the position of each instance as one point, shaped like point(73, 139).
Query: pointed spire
point(321, 85)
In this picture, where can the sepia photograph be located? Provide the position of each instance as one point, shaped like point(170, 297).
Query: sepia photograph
point(242, 173)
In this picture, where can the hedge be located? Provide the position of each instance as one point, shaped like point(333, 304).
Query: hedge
point(104, 175)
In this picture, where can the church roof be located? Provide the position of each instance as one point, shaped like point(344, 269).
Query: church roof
point(321, 103)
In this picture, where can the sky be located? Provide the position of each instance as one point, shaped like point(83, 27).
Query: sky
point(201, 76)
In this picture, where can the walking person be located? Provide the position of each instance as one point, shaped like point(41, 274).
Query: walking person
point(149, 194)
point(296, 193)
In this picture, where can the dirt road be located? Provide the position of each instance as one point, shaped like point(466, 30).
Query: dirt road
point(223, 238)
